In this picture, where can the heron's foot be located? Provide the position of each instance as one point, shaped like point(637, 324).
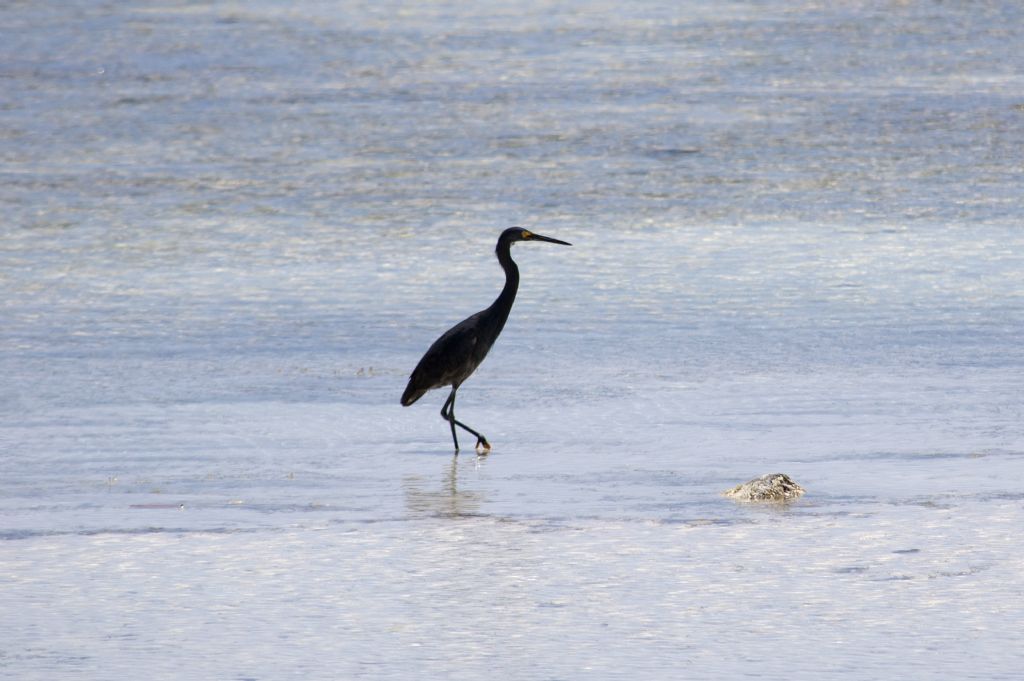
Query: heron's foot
point(482, 445)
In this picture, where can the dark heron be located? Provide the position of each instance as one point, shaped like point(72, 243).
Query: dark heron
point(458, 352)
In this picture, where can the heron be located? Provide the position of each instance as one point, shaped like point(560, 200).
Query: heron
point(458, 352)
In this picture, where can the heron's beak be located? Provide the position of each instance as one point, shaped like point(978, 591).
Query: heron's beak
point(540, 237)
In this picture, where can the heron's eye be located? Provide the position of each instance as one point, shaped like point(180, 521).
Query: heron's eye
point(526, 234)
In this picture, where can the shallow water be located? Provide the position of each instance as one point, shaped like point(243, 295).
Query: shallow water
point(231, 231)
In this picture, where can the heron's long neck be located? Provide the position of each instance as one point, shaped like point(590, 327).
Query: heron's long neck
point(503, 304)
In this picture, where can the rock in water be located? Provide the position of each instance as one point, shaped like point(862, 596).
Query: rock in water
point(771, 487)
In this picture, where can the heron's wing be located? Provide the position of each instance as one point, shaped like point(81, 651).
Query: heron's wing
point(449, 361)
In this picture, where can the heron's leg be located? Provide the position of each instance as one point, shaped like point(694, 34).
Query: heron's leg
point(450, 417)
point(447, 415)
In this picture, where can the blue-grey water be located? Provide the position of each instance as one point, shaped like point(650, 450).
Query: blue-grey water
point(229, 231)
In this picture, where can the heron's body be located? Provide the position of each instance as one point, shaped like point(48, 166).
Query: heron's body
point(458, 352)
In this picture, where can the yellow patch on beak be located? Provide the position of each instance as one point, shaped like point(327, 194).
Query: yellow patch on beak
point(526, 234)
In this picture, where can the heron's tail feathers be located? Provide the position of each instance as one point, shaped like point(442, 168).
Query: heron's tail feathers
point(412, 393)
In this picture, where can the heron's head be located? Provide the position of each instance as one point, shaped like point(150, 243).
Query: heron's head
point(514, 234)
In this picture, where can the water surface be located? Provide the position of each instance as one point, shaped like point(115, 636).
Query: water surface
point(230, 231)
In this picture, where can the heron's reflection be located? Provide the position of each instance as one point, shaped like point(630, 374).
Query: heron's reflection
point(448, 501)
